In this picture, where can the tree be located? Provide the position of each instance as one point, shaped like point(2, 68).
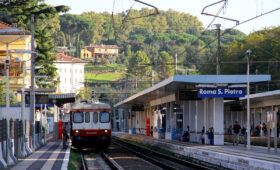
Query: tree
point(139, 66)
point(166, 65)
point(47, 24)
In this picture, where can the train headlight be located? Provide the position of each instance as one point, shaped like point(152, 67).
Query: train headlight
point(106, 131)
point(77, 131)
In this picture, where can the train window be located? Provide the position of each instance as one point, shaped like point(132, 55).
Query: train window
point(95, 117)
point(78, 117)
point(104, 117)
point(87, 117)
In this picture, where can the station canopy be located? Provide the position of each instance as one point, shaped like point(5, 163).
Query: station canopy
point(188, 83)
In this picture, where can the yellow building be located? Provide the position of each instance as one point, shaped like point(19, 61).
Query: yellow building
point(86, 54)
point(99, 51)
point(17, 44)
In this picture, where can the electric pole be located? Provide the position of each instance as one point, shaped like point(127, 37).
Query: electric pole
point(32, 90)
point(218, 64)
point(175, 68)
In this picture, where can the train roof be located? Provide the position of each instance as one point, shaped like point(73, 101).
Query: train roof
point(87, 104)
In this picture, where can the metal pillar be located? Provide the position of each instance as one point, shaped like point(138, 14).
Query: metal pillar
point(248, 52)
point(32, 92)
point(218, 64)
point(275, 129)
point(10, 161)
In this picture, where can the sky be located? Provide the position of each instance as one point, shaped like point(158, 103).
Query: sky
point(240, 10)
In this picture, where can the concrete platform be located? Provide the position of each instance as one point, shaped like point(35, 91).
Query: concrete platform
point(49, 157)
point(229, 156)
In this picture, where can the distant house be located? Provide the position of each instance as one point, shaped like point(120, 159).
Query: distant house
point(71, 73)
point(18, 44)
point(97, 52)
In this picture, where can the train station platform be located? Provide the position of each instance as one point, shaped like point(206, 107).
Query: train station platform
point(49, 157)
point(227, 156)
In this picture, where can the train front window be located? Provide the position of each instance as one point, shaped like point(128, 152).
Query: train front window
point(78, 117)
point(95, 117)
point(104, 117)
point(87, 117)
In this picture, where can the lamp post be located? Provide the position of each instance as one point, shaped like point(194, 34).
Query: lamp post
point(32, 93)
point(248, 53)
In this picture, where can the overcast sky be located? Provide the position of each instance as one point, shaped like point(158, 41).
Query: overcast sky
point(236, 9)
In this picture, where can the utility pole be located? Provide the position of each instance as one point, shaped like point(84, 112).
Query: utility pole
point(218, 64)
point(153, 77)
point(175, 71)
point(32, 91)
point(248, 53)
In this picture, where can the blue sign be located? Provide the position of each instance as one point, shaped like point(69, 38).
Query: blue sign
point(221, 92)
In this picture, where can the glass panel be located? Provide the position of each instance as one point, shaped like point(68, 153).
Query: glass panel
point(104, 117)
point(95, 117)
point(78, 117)
point(87, 117)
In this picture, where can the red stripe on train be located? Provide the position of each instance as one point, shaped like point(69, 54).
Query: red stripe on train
point(91, 132)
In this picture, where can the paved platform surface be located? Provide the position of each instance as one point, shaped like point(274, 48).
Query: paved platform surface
point(49, 157)
point(233, 157)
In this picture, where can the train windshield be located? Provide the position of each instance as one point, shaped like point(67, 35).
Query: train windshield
point(104, 117)
point(78, 117)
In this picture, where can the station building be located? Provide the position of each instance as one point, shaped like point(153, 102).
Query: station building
point(264, 110)
point(186, 103)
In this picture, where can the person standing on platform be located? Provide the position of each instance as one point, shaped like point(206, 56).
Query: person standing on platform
point(244, 134)
point(202, 135)
point(65, 138)
point(210, 134)
point(236, 132)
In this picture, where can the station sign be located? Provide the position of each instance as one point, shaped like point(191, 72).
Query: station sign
point(221, 92)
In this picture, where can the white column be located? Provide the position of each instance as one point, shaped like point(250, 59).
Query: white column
point(218, 121)
point(205, 119)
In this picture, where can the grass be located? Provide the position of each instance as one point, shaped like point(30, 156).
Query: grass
point(74, 160)
point(107, 67)
point(103, 76)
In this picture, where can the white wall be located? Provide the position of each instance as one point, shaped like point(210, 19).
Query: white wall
point(15, 113)
point(71, 77)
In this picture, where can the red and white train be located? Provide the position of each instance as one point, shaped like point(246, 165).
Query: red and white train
point(90, 124)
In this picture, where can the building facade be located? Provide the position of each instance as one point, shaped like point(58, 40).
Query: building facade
point(71, 73)
point(99, 52)
point(15, 46)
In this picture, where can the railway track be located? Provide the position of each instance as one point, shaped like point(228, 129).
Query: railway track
point(122, 155)
point(162, 160)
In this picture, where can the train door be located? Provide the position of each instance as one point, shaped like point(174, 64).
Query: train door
point(87, 121)
point(95, 121)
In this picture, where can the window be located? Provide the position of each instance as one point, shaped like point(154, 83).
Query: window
point(78, 117)
point(104, 117)
point(87, 117)
point(95, 117)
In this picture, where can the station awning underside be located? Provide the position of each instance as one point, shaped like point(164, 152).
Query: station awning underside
point(60, 99)
point(186, 82)
point(260, 97)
